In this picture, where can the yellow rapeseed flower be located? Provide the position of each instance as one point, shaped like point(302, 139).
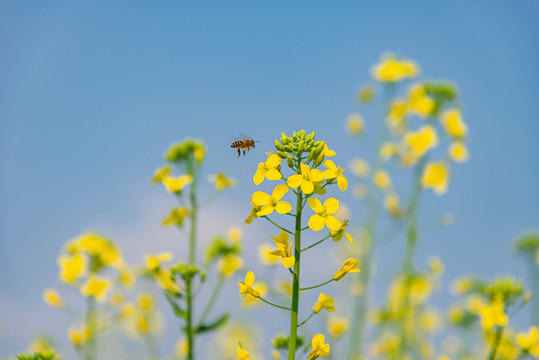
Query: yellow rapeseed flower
point(78, 335)
point(72, 267)
point(436, 176)
point(176, 184)
point(381, 179)
point(387, 150)
point(529, 342)
point(234, 234)
point(161, 173)
point(337, 326)
point(246, 288)
point(96, 287)
point(419, 102)
point(366, 94)
point(242, 354)
point(176, 216)
point(222, 181)
point(458, 152)
point(154, 261)
point(229, 265)
point(359, 167)
point(334, 172)
point(306, 179)
point(453, 123)
point(269, 203)
point(397, 111)
point(259, 287)
point(348, 266)
point(268, 169)
point(337, 235)
point(354, 124)
point(323, 215)
point(128, 310)
point(392, 206)
point(284, 249)
point(493, 314)
point(324, 302)
point(319, 348)
point(53, 298)
point(265, 256)
point(393, 70)
point(419, 142)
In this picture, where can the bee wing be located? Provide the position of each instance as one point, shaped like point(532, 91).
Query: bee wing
point(244, 137)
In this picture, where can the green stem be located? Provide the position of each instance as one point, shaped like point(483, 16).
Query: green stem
point(280, 227)
point(91, 344)
point(272, 304)
point(495, 343)
point(316, 243)
point(211, 302)
point(534, 278)
point(192, 259)
point(295, 281)
point(304, 321)
point(316, 286)
point(373, 209)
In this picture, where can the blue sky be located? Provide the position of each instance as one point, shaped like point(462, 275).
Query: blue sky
point(92, 93)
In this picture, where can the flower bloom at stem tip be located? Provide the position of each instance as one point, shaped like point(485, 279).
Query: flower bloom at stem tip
point(323, 215)
point(306, 179)
point(348, 266)
point(324, 302)
point(242, 354)
point(268, 169)
point(284, 249)
point(319, 348)
point(334, 172)
point(269, 203)
point(246, 288)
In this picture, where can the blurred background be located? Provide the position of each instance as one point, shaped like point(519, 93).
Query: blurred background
point(92, 94)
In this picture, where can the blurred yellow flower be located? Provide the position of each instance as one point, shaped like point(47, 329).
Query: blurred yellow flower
point(458, 152)
point(127, 311)
point(246, 288)
point(391, 69)
point(268, 169)
point(97, 287)
point(436, 176)
point(337, 326)
point(306, 179)
point(160, 173)
point(154, 261)
point(436, 265)
point(453, 123)
point(319, 348)
point(493, 314)
point(419, 142)
point(324, 302)
point(359, 167)
point(366, 94)
point(348, 266)
point(242, 353)
point(222, 181)
point(234, 234)
point(53, 298)
point(78, 335)
point(392, 206)
point(229, 265)
point(176, 184)
point(418, 102)
point(145, 301)
point(72, 267)
point(199, 153)
point(265, 256)
point(397, 111)
point(334, 172)
point(529, 342)
point(284, 249)
point(382, 179)
point(354, 124)
point(176, 216)
point(323, 215)
point(387, 150)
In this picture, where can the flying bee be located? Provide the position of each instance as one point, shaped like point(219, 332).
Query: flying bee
point(245, 144)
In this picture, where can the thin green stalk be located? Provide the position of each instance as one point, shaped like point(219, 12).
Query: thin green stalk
point(91, 344)
point(373, 209)
point(272, 304)
point(316, 243)
point(304, 321)
point(211, 302)
point(192, 259)
point(316, 286)
point(534, 278)
point(495, 343)
point(295, 285)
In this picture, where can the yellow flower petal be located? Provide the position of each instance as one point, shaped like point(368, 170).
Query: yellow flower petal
point(289, 261)
point(315, 204)
point(307, 187)
point(273, 174)
point(295, 181)
point(333, 223)
point(260, 198)
point(331, 205)
point(316, 222)
point(282, 207)
point(279, 191)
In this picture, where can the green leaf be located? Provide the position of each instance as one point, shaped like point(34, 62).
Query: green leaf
point(214, 325)
point(178, 311)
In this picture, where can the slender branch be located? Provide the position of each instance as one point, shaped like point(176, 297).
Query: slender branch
point(280, 227)
point(304, 321)
point(495, 343)
point(305, 228)
point(272, 304)
point(316, 243)
point(211, 302)
point(316, 286)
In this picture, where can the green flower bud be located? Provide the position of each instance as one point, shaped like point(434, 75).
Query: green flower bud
point(301, 146)
point(281, 154)
point(290, 161)
point(278, 146)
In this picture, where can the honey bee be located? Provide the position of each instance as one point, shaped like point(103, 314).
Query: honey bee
point(245, 144)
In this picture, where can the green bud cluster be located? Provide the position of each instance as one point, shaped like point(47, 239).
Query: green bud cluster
point(185, 271)
point(442, 93)
point(180, 151)
point(298, 144)
point(280, 342)
point(509, 288)
point(527, 244)
point(43, 355)
point(219, 247)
